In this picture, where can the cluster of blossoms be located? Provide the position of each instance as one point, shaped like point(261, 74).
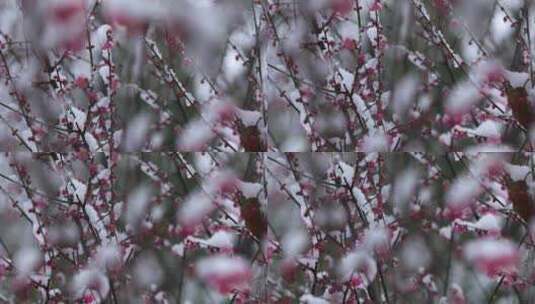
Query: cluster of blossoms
point(267, 151)
point(257, 76)
point(270, 227)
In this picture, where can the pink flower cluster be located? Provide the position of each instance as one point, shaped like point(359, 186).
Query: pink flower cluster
point(267, 151)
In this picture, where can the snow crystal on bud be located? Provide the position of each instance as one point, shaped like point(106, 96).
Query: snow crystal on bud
point(137, 204)
point(358, 262)
point(462, 98)
point(492, 256)
point(224, 273)
point(461, 193)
